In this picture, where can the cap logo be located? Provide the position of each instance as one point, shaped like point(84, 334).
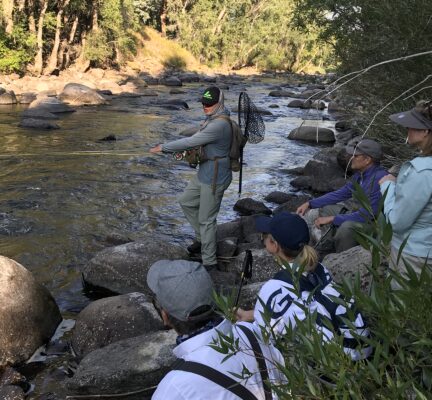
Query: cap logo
point(207, 95)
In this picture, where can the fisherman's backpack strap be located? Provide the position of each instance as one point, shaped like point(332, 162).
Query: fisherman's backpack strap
point(262, 367)
point(215, 376)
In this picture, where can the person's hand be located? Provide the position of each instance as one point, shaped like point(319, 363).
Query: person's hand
point(244, 315)
point(303, 208)
point(156, 149)
point(324, 221)
point(386, 178)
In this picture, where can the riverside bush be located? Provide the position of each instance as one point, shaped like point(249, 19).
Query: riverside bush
point(401, 335)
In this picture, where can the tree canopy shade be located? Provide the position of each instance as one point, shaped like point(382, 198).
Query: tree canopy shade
point(367, 32)
point(48, 35)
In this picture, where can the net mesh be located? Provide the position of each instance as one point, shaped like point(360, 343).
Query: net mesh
point(250, 119)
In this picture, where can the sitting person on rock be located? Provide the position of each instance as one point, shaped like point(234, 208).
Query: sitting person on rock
point(286, 237)
point(365, 161)
point(183, 297)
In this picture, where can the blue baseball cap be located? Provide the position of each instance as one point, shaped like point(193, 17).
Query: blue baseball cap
point(288, 229)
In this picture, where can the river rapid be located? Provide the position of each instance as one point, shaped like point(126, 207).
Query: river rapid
point(65, 193)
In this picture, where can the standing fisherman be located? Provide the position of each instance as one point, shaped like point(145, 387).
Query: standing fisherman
point(202, 197)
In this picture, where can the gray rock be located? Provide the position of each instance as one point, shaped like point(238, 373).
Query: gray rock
point(345, 136)
point(190, 131)
point(273, 106)
point(294, 171)
point(8, 98)
point(278, 197)
point(228, 230)
point(296, 103)
point(10, 392)
point(250, 206)
point(188, 77)
point(312, 134)
point(260, 110)
point(37, 124)
point(123, 269)
point(292, 204)
point(38, 113)
point(227, 247)
point(282, 93)
point(173, 102)
point(109, 320)
point(78, 95)
point(324, 177)
point(342, 125)
point(176, 91)
point(302, 182)
point(125, 366)
point(347, 264)
point(333, 106)
point(51, 104)
point(171, 81)
point(249, 295)
point(26, 98)
point(263, 268)
point(29, 315)
point(209, 79)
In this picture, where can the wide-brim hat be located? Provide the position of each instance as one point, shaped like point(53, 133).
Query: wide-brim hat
point(181, 287)
point(411, 119)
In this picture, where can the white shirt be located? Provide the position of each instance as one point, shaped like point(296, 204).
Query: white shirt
point(182, 385)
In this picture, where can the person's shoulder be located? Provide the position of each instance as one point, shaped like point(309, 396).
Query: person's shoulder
point(169, 386)
point(421, 163)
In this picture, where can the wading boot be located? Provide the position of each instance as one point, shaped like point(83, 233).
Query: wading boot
point(194, 248)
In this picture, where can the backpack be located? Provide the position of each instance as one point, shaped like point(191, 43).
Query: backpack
point(238, 142)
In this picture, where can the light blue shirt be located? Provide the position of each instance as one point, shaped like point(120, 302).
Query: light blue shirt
point(408, 206)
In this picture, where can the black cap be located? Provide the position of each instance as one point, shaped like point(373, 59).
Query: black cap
point(210, 96)
point(288, 229)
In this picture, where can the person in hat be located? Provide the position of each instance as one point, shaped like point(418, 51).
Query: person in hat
point(365, 161)
point(202, 197)
point(182, 294)
point(302, 286)
point(408, 203)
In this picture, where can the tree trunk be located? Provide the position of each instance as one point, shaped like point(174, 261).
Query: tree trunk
point(53, 60)
point(31, 18)
point(163, 17)
point(7, 11)
point(39, 56)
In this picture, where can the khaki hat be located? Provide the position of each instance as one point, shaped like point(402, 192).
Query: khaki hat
point(181, 287)
point(411, 119)
point(367, 147)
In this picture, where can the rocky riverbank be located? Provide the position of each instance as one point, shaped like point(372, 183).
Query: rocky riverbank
point(118, 344)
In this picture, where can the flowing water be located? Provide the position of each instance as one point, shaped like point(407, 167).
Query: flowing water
point(64, 192)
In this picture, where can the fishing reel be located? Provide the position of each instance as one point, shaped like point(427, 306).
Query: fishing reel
point(179, 156)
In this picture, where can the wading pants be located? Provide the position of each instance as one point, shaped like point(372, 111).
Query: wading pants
point(201, 208)
point(344, 236)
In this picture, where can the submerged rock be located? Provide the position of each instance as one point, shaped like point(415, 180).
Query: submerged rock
point(37, 124)
point(51, 104)
point(28, 314)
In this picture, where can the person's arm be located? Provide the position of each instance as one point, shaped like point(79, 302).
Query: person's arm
point(244, 315)
point(344, 193)
point(407, 198)
point(205, 136)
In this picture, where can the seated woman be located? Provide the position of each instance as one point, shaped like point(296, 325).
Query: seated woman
point(286, 236)
point(408, 205)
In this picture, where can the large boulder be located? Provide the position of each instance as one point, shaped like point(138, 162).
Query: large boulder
point(51, 104)
point(78, 95)
point(8, 97)
point(278, 197)
point(171, 81)
point(109, 320)
point(347, 264)
point(123, 269)
point(324, 177)
point(291, 205)
point(312, 134)
point(125, 366)
point(28, 314)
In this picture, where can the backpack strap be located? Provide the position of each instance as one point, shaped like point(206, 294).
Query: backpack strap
point(215, 376)
point(259, 357)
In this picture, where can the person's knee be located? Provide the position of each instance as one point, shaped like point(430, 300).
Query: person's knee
point(345, 236)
